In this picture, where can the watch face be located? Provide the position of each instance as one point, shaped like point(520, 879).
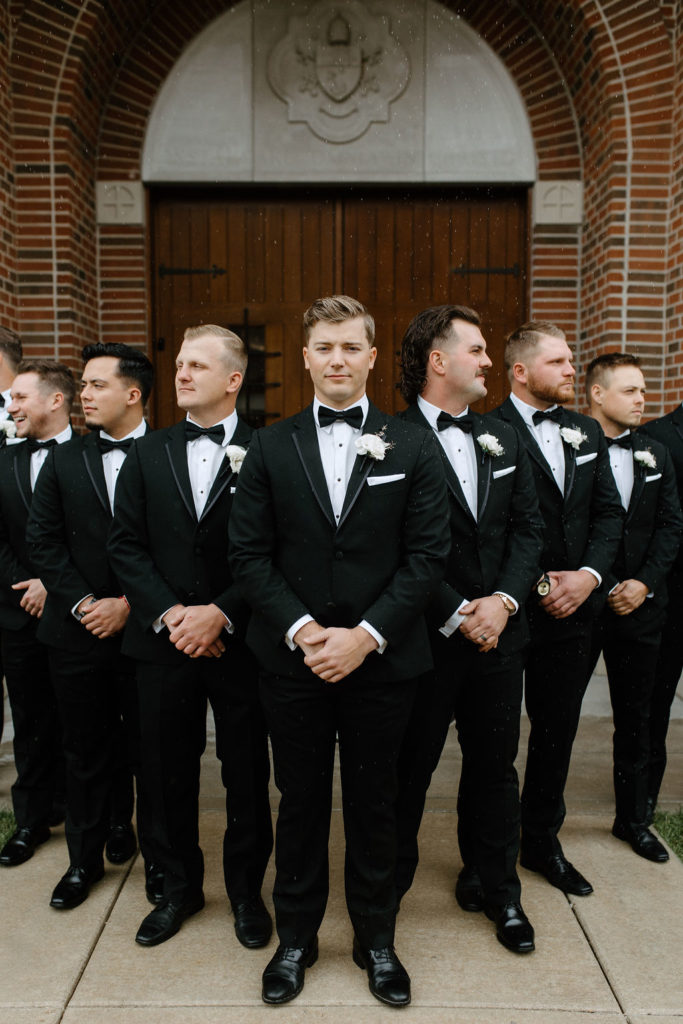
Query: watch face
point(543, 588)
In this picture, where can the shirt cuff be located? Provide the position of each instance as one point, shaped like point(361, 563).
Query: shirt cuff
point(454, 621)
point(159, 624)
point(293, 630)
point(377, 636)
point(597, 575)
point(80, 601)
point(228, 624)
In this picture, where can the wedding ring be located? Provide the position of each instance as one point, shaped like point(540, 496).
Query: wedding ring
point(483, 639)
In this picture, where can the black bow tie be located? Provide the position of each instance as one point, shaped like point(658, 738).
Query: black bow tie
point(556, 415)
point(215, 434)
point(444, 420)
point(2, 401)
point(621, 442)
point(106, 445)
point(39, 446)
point(353, 416)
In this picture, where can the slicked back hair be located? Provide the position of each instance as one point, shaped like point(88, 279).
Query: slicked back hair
point(425, 332)
point(337, 309)
point(134, 366)
point(520, 343)
point(599, 370)
point(53, 377)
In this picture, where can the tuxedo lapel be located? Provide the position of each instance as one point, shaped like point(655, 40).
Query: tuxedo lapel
point(176, 450)
point(225, 472)
point(363, 464)
point(93, 464)
point(414, 414)
point(528, 439)
point(22, 473)
point(305, 439)
point(569, 469)
point(639, 473)
point(484, 467)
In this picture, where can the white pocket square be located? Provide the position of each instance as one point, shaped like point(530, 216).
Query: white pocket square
point(649, 479)
point(580, 459)
point(503, 472)
point(374, 480)
point(232, 490)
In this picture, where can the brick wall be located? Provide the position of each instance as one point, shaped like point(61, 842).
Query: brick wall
point(7, 224)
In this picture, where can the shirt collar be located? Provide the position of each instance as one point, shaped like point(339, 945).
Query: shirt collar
point(431, 412)
point(60, 438)
point(362, 402)
point(139, 431)
point(229, 425)
point(525, 410)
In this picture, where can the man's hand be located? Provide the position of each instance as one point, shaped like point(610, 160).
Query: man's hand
point(301, 637)
point(486, 620)
point(569, 589)
point(105, 617)
point(627, 596)
point(196, 629)
point(343, 650)
point(33, 600)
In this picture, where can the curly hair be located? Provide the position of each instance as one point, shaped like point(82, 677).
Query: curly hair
point(424, 331)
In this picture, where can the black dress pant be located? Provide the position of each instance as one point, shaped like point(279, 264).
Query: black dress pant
point(38, 755)
point(304, 718)
point(557, 672)
point(484, 692)
point(173, 705)
point(667, 677)
point(631, 663)
point(92, 691)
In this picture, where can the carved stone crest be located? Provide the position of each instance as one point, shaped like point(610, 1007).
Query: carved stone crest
point(338, 68)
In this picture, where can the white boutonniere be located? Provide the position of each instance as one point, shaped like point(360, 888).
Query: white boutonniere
point(573, 436)
point(490, 445)
point(236, 455)
point(8, 428)
point(645, 458)
point(373, 445)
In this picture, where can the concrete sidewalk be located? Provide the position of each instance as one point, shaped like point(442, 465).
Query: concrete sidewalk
point(610, 958)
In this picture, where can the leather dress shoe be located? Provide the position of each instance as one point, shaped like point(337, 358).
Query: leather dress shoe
point(283, 978)
point(74, 887)
point(154, 884)
point(513, 928)
point(557, 870)
point(468, 890)
point(642, 841)
point(253, 925)
point(21, 846)
point(121, 844)
point(387, 977)
point(165, 920)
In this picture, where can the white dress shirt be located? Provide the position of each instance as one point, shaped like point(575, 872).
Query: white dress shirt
point(621, 461)
point(38, 458)
point(113, 460)
point(338, 455)
point(547, 434)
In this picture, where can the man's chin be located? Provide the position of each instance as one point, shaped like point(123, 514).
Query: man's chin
point(93, 424)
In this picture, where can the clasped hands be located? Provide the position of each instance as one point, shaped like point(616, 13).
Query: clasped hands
point(569, 588)
point(485, 620)
point(195, 629)
point(104, 617)
point(334, 652)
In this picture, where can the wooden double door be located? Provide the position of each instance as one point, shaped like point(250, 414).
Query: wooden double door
point(255, 260)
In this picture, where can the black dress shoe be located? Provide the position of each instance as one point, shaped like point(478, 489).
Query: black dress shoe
point(283, 978)
point(74, 888)
point(253, 926)
point(642, 841)
point(154, 884)
point(21, 846)
point(387, 977)
point(121, 844)
point(513, 928)
point(559, 872)
point(468, 890)
point(165, 920)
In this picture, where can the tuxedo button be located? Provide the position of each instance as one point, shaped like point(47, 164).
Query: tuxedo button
point(339, 555)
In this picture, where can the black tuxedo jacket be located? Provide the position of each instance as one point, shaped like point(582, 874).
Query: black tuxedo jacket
point(382, 562)
point(67, 541)
point(499, 550)
point(669, 431)
point(651, 537)
point(582, 526)
point(162, 553)
point(15, 505)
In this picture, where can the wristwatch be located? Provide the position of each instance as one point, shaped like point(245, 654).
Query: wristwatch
point(508, 603)
point(543, 585)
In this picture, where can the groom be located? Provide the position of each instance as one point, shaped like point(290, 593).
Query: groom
point(339, 538)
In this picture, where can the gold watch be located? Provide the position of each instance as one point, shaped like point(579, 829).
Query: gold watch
point(508, 604)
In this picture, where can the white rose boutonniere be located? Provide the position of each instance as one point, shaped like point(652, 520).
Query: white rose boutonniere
point(645, 458)
point(573, 436)
point(236, 455)
point(490, 445)
point(8, 428)
point(373, 445)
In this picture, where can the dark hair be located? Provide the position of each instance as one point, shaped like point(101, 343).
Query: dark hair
point(337, 309)
point(10, 346)
point(526, 338)
point(424, 331)
point(53, 377)
point(599, 369)
point(133, 365)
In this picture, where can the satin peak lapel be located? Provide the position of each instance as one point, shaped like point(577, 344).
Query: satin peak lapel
point(225, 472)
point(22, 474)
point(569, 468)
point(639, 474)
point(363, 464)
point(93, 464)
point(305, 439)
point(176, 450)
point(528, 439)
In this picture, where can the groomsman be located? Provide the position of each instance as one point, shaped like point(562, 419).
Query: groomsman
point(628, 630)
point(85, 612)
point(339, 539)
point(583, 520)
point(668, 430)
point(40, 403)
point(477, 623)
point(169, 547)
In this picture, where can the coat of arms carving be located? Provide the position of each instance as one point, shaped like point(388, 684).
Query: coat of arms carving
point(338, 68)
